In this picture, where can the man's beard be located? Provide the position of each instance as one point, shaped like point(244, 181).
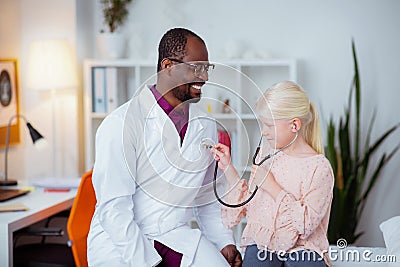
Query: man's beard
point(184, 95)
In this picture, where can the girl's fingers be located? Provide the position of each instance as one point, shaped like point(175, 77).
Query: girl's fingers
point(219, 154)
point(221, 147)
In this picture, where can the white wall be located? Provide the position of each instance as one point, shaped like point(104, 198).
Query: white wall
point(46, 19)
point(318, 34)
point(28, 21)
point(10, 40)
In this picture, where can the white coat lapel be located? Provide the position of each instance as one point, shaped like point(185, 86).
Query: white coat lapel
point(162, 141)
point(196, 157)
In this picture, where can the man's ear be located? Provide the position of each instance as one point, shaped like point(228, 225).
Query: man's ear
point(166, 65)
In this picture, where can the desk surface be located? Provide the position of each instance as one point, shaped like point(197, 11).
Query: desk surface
point(41, 205)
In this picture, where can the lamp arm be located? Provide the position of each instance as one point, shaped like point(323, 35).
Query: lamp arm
point(7, 142)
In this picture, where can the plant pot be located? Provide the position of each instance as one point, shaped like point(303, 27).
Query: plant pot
point(110, 45)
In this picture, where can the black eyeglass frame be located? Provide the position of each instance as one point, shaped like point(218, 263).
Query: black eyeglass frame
point(203, 67)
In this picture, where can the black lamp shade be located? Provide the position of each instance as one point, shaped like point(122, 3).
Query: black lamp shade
point(35, 135)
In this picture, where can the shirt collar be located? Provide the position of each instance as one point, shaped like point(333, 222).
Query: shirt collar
point(167, 107)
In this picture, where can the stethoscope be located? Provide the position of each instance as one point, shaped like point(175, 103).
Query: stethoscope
point(254, 163)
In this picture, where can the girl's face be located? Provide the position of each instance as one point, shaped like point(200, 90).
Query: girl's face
point(278, 133)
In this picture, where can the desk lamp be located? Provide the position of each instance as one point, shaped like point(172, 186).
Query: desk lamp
point(37, 140)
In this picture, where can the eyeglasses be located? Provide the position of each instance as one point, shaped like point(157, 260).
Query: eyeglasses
point(199, 68)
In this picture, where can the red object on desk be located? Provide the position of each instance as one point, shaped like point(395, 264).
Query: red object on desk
point(57, 190)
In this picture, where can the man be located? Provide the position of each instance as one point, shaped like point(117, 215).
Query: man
point(150, 175)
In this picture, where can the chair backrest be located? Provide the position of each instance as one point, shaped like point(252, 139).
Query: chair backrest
point(79, 219)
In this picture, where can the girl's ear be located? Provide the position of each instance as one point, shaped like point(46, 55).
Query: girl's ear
point(296, 125)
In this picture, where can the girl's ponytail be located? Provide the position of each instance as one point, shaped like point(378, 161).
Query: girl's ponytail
point(312, 131)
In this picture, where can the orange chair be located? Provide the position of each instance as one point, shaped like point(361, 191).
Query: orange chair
point(79, 219)
point(58, 254)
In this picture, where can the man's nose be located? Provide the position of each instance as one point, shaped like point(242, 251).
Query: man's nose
point(204, 76)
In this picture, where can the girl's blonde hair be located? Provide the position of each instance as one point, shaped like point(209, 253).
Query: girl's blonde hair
point(287, 100)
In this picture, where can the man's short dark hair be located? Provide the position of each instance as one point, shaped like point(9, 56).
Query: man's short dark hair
point(173, 44)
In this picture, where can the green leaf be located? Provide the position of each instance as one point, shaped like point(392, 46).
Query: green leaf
point(364, 163)
point(358, 99)
point(377, 144)
point(115, 12)
point(330, 149)
point(384, 160)
point(354, 180)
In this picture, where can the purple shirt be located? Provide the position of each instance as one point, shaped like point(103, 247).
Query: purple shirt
point(179, 116)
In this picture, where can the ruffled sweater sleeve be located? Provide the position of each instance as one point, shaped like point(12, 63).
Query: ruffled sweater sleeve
point(232, 216)
point(299, 218)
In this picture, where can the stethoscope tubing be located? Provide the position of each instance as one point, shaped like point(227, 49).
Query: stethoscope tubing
point(223, 202)
point(254, 162)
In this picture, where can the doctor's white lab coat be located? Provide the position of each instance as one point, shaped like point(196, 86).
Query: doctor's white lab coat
point(147, 183)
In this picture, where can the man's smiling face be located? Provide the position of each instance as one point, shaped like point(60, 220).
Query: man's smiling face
point(196, 52)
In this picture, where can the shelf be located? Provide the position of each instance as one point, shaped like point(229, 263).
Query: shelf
point(233, 116)
point(119, 63)
point(223, 116)
point(98, 115)
point(248, 117)
point(256, 62)
point(243, 91)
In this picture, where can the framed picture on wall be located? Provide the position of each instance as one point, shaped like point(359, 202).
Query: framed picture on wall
point(9, 100)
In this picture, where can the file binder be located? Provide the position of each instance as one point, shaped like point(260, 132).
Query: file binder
point(99, 90)
point(112, 88)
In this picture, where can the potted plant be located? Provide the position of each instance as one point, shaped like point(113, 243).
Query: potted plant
point(111, 44)
point(354, 177)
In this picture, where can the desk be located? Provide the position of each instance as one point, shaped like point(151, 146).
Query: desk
point(41, 205)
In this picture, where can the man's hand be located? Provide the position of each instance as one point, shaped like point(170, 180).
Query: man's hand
point(232, 255)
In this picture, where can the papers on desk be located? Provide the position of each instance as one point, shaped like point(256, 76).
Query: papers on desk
point(13, 207)
point(57, 183)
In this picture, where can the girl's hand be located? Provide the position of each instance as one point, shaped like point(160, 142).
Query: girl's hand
point(262, 177)
point(256, 180)
point(265, 180)
point(222, 155)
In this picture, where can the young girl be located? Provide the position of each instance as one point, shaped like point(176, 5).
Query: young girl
point(287, 220)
